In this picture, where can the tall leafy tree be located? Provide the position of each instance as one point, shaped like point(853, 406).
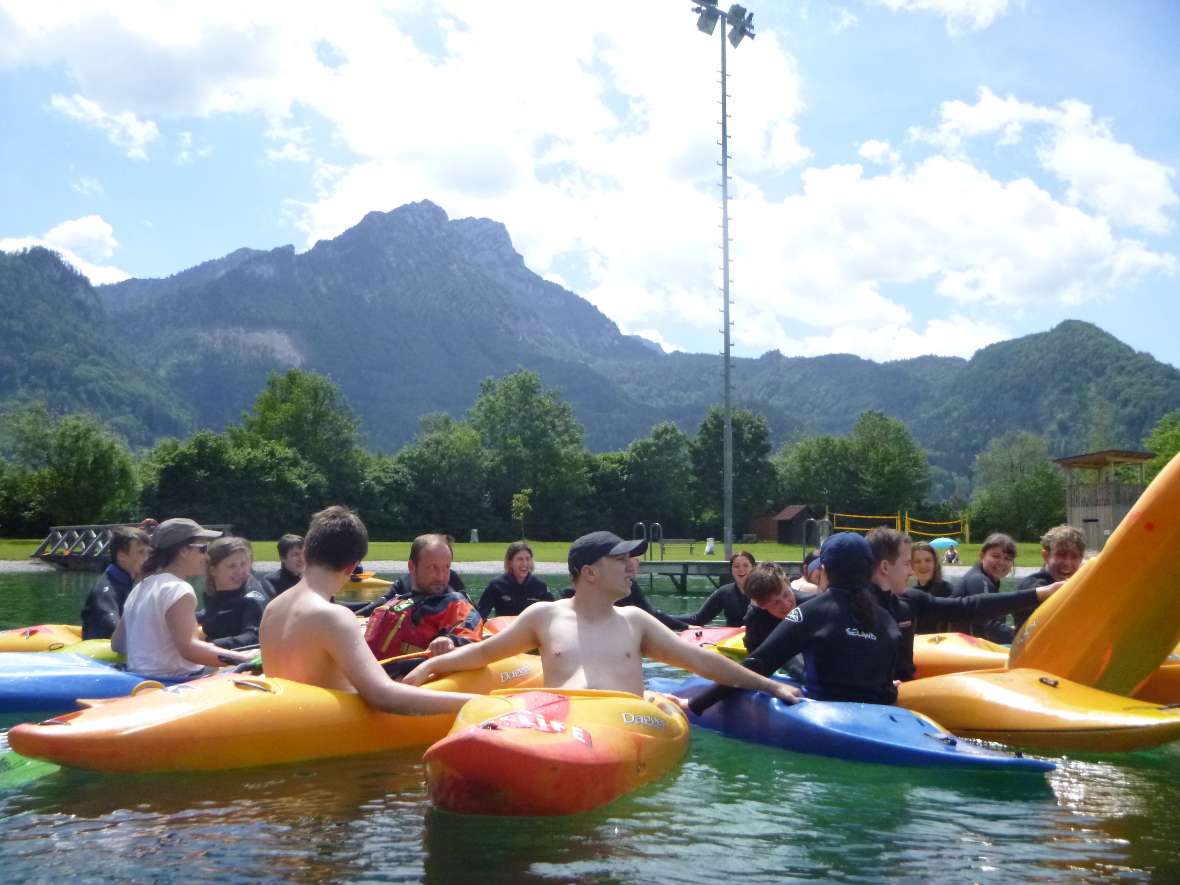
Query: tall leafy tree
point(1018, 490)
point(754, 481)
point(307, 413)
point(1164, 441)
point(659, 479)
point(893, 471)
point(819, 470)
point(445, 469)
point(532, 440)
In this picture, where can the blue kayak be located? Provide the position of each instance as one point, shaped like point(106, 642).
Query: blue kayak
point(859, 732)
point(44, 683)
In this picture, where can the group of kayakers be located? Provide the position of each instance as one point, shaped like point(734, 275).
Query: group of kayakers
point(848, 620)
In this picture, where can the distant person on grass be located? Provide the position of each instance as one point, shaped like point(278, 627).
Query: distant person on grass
point(587, 641)
point(234, 598)
point(517, 588)
point(105, 601)
point(306, 638)
point(290, 565)
point(158, 629)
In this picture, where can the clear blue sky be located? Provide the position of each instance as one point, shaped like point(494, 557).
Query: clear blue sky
point(910, 176)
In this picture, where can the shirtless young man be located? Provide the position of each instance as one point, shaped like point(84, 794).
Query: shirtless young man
point(587, 642)
point(307, 638)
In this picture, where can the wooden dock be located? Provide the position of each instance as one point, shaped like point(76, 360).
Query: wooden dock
point(716, 571)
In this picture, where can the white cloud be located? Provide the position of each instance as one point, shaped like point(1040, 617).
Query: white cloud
point(125, 130)
point(83, 242)
point(879, 152)
point(290, 152)
point(186, 150)
point(1100, 172)
point(844, 20)
point(954, 336)
point(961, 15)
point(86, 186)
point(656, 336)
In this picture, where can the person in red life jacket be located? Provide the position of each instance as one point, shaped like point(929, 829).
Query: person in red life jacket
point(431, 616)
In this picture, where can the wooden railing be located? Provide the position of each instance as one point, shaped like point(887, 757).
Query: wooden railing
point(1102, 494)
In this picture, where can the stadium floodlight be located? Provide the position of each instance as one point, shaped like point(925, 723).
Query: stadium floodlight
point(740, 22)
point(709, 16)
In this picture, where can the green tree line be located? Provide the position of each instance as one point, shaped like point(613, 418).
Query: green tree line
point(516, 463)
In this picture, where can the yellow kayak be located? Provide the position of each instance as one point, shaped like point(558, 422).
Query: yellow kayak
point(733, 646)
point(367, 581)
point(238, 721)
point(1118, 618)
point(1031, 708)
point(42, 637)
point(939, 653)
point(553, 751)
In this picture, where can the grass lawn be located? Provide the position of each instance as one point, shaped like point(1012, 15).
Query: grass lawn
point(545, 551)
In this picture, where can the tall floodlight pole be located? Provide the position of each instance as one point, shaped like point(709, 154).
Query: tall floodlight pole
point(741, 25)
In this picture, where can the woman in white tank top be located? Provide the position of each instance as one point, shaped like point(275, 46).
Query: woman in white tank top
point(158, 629)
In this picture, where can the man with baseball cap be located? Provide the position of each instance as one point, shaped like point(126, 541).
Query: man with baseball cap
point(588, 642)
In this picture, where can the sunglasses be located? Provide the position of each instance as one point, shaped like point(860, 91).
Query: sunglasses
point(203, 548)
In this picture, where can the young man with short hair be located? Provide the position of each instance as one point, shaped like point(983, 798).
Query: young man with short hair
point(1062, 549)
point(104, 603)
point(307, 638)
point(291, 566)
point(587, 642)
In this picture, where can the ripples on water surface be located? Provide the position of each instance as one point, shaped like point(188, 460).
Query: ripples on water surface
point(732, 810)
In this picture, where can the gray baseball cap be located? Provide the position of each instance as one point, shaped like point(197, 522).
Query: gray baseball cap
point(174, 532)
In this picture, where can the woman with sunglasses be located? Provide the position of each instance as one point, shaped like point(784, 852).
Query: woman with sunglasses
point(158, 629)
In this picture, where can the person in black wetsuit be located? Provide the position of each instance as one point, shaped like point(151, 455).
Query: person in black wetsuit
point(639, 599)
point(849, 644)
point(909, 605)
point(291, 565)
point(729, 599)
point(234, 598)
point(1062, 548)
point(517, 588)
point(996, 557)
point(928, 576)
point(105, 601)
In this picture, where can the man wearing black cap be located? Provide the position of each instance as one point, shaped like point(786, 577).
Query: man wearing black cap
point(588, 642)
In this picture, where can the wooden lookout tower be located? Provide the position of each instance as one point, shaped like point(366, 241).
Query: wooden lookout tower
point(1100, 489)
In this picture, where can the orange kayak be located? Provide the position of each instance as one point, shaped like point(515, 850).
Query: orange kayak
point(1031, 708)
point(42, 637)
point(1118, 618)
point(237, 721)
point(553, 751)
point(939, 653)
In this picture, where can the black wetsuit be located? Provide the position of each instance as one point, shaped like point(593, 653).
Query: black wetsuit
point(759, 624)
point(638, 599)
point(1037, 579)
point(728, 600)
point(505, 596)
point(231, 617)
point(277, 582)
point(975, 583)
point(931, 623)
point(104, 603)
point(844, 660)
point(401, 587)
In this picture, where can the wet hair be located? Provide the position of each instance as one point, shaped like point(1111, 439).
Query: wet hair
point(423, 541)
point(765, 581)
point(336, 539)
point(122, 537)
point(922, 545)
point(886, 543)
point(287, 543)
point(747, 554)
point(514, 548)
point(1064, 536)
point(998, 539)
point(219, 551)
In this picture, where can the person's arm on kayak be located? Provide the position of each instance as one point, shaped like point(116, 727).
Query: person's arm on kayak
point(663, 645)
point(981, 606)
point(119, 639)
point(181, 619)
point(519, 637)
point(346, 646)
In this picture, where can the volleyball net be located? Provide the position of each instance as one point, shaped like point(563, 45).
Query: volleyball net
point(933, 528)
point(916, 528)
point(862, 522)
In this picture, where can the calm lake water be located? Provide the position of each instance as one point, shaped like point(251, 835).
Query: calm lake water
point(731, 809)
